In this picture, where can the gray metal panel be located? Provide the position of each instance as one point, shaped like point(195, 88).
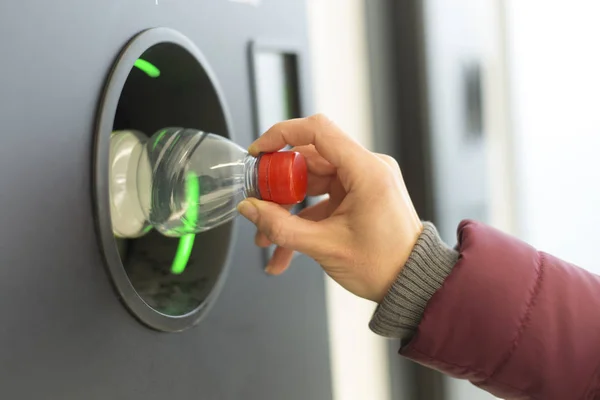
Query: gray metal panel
point(64, 333)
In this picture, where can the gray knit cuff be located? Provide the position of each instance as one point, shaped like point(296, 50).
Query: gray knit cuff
point(430, 262)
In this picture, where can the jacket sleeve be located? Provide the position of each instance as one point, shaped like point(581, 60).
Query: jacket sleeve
point(514, 321)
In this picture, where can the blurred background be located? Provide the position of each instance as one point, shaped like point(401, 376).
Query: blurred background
point(490, 106)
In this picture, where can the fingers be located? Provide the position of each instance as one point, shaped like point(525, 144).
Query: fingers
point(390, 161)
point(261, 239)
point(316, 164)
point(280, 261)
point(282, 257)
point(320, 171)
point(284, 229)
point(314, 213)
point(330, 142)
point(319, 185)
point(317, 212)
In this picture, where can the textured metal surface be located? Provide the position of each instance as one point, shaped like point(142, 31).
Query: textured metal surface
point(64, 332)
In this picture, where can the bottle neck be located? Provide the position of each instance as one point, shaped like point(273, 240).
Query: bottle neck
point(251, 176)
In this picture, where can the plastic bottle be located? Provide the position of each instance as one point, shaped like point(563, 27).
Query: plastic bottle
point(185, 181)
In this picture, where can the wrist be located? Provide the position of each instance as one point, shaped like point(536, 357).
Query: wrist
point(409, 237)
point(428, 266)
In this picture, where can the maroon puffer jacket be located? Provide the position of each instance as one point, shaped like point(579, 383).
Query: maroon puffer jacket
point(516, 322)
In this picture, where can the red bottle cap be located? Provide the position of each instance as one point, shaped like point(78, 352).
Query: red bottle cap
point(282, 177)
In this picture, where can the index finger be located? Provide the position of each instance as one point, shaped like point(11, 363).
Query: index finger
point(329, 140)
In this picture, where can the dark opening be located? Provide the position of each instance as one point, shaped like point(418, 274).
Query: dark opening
point(182, 95)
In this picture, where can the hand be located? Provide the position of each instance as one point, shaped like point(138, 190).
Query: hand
point(363, 234)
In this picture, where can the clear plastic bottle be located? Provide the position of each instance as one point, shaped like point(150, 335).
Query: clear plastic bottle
point(184, 181)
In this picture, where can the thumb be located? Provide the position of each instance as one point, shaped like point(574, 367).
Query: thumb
point(282, 228)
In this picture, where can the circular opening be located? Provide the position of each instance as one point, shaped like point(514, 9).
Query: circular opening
point(161, 80)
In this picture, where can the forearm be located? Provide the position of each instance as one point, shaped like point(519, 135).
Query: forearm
point(514, 321)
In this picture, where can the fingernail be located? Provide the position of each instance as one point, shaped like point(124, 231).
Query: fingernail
point(252, 149)
point(268, 269)
point(248, 210)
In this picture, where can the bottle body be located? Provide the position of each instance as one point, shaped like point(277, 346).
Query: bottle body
point(195, 180)
point(185, 181)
